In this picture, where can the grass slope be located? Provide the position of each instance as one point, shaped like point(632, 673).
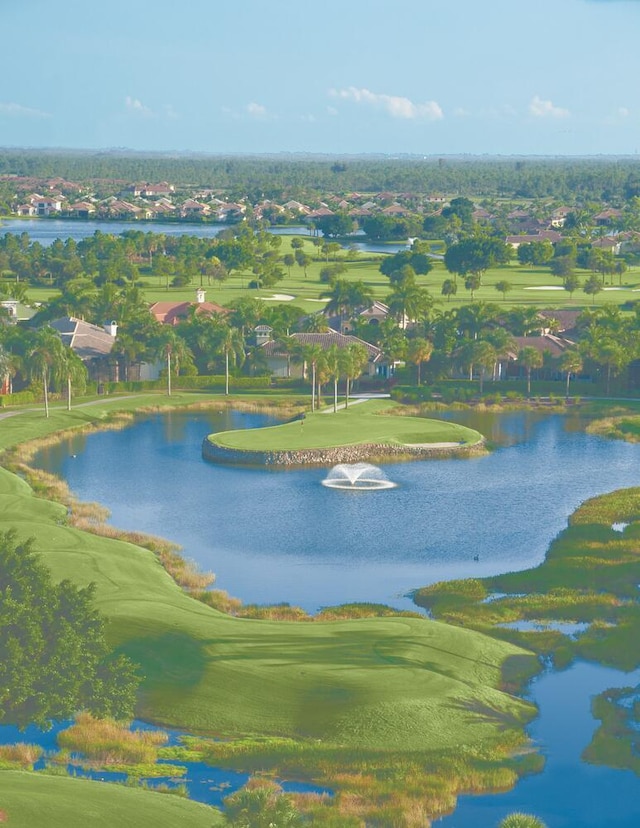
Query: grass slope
point(30, 799)
point(362, 423)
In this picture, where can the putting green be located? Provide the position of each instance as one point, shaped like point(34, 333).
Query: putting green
point(362, 423)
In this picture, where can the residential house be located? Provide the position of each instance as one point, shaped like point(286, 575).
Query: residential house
point(194, 209)
point(172, 313)
point(82, 209)
point(605, 218)
point(45, 205)
point(544, 235)
point(91, 343)
point(280, 364)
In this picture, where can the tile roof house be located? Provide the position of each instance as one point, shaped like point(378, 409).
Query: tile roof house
point(172, 313)
point(544, 235)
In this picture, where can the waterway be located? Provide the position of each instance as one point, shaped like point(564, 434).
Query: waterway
point(569, 793)
point(46, 231)
point(203, 782)
point(274, 535)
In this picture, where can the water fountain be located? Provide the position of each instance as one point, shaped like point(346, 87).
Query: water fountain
point(357, 477)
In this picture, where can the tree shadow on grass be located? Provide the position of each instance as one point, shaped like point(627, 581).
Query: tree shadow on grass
point(173, 661)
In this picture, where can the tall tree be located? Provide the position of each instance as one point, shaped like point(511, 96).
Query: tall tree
point(419, 352)
point(570, 363)
point(529, 358)
point(55, 659)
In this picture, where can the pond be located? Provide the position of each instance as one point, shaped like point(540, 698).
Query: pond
point(273, 536)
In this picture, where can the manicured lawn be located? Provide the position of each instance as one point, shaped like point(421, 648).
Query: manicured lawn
point(360, 423)
point(28, 800)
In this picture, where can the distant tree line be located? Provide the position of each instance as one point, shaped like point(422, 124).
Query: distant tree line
point(274, 176)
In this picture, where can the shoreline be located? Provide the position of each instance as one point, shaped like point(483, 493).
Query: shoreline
point(359, 453)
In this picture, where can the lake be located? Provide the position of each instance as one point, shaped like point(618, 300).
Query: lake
point(276, 535)
point(46, 231)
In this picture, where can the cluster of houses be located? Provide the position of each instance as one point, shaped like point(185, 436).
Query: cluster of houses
point(94, 344)
point(149, 201)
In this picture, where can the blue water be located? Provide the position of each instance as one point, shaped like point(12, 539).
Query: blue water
point(274, 536)
point(569, 793)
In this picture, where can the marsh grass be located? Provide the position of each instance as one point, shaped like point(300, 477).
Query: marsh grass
point(616, 742)
point(19, 755)
point(381, 788)
point(110, 743)
point(223, 602)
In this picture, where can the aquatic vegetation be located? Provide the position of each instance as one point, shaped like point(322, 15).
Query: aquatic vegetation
point(111, 743)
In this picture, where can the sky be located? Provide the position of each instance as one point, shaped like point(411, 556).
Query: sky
point(419, 77)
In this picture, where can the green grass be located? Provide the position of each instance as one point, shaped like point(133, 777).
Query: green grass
point(307, 290)
point(359, 424)
point(33, 799)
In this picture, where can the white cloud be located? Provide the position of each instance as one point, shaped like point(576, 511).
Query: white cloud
point(394, 105)
point(623, 112)
point(546, 109)
point(14, 110)
point(331, 110)
point(256, 110)
point(136, 106)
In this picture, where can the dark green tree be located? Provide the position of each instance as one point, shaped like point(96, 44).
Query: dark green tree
point(54, 659)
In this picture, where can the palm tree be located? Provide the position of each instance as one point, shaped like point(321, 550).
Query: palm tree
point(334, 364)
point(174, 350)
point(473, 319)
point(45, 357)
point(484, 355)
point(504, 345)
point(571, 362)
point(75, 372)
point(346, 296)
point(354, 359)
point(529, 358)
point(310, 353)
point(419, 351)
point(409, 302)
point(323, 374)
point(230, 342)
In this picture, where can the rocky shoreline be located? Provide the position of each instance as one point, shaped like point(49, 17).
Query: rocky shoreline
point(364, 452)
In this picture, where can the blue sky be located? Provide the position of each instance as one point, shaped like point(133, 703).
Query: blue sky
point(337, 76)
